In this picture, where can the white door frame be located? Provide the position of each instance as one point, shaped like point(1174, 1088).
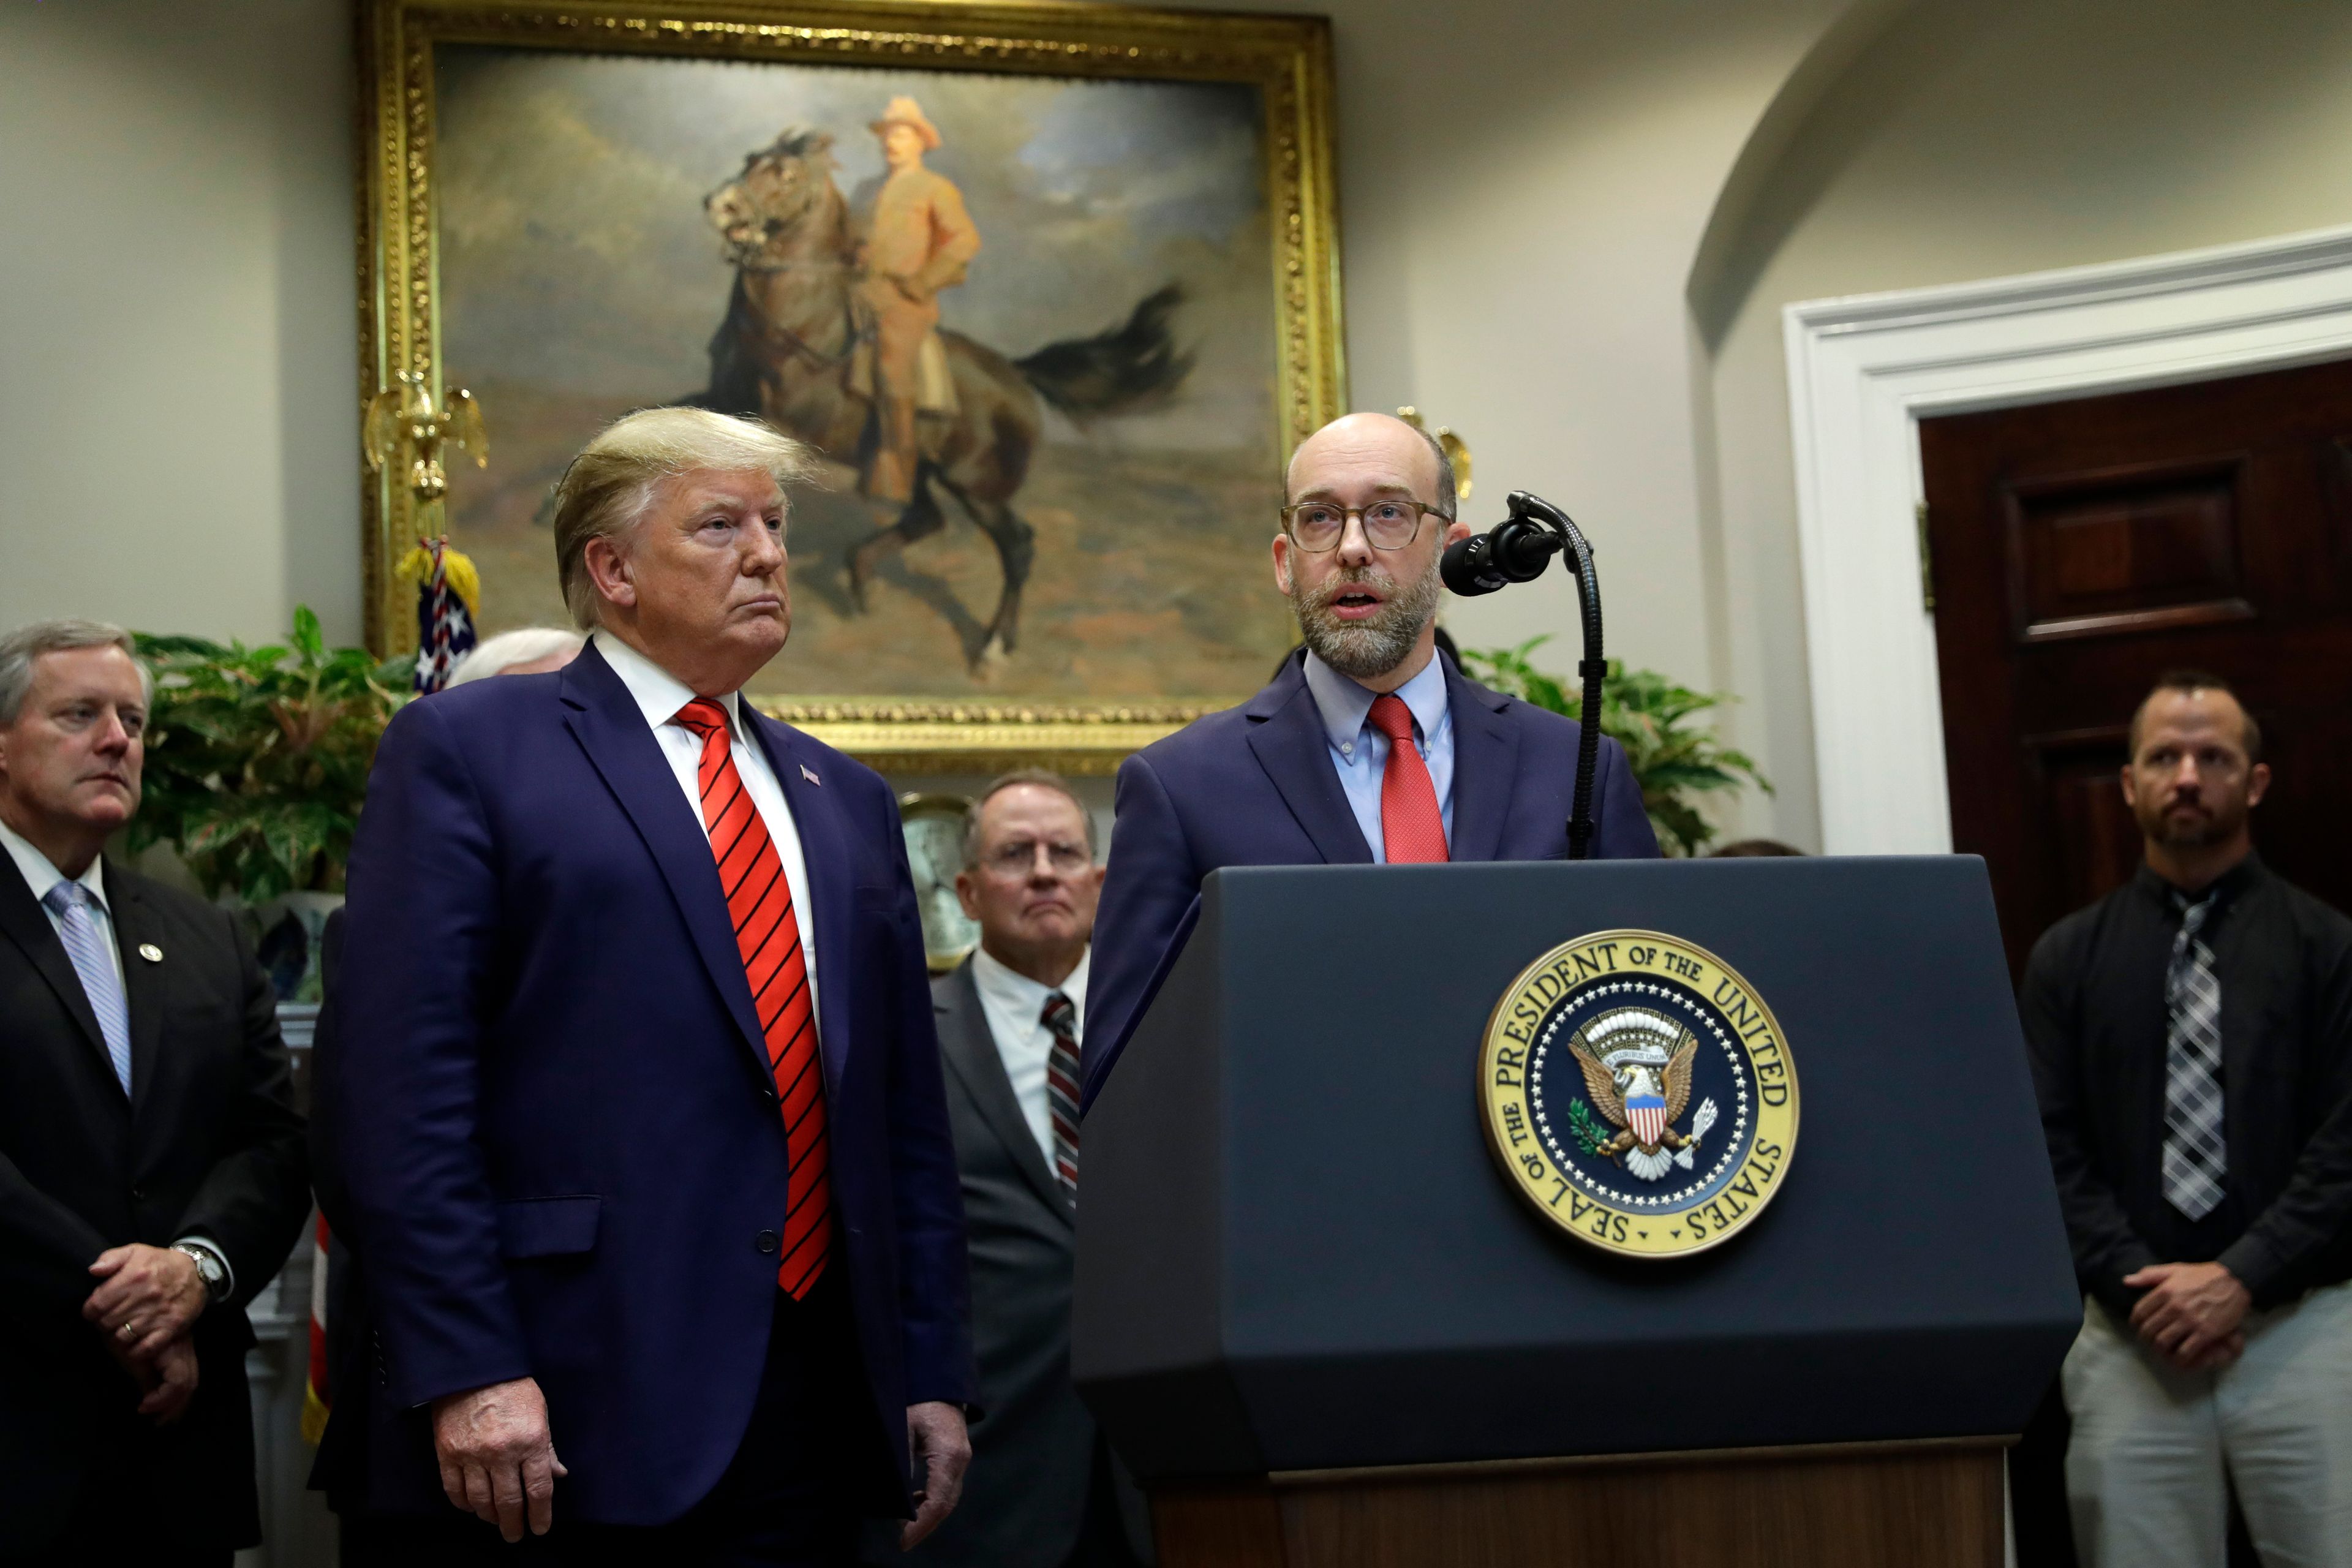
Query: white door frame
point(1864, 370)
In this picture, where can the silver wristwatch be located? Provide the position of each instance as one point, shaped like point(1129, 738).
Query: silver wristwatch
point(209, 1269)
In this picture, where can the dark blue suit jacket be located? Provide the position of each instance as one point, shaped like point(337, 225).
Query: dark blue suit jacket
point(557, 1129)
point(1253, 786)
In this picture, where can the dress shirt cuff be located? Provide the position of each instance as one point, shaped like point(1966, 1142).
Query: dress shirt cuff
point(211, 1248)
point(2257, 1266)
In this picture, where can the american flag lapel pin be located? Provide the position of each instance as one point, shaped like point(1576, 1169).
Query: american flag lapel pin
point(809, 774)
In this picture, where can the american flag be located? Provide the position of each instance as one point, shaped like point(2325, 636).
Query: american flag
point(448, 597)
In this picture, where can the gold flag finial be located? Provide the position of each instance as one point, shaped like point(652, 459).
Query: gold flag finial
point(401, 422)
point(1457, 451)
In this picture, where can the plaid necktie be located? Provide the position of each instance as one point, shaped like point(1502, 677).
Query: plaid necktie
point(2196, 1157)
point(768, 934)
point(1060, 1017)
point(85, 941)
point(1412, 828)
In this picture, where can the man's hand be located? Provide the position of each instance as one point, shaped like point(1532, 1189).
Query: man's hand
point(910, 288)
point(146, 1298)
point(2192, 1313)
point(941, 1448)
point(176, 1383)
point(498, 1458)
point(166, 1381)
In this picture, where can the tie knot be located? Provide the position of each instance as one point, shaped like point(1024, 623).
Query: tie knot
point(65, 896)
point(1059, 1011)
point(1392, 718)
point(703, 716)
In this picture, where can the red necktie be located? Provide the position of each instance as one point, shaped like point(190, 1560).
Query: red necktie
point(767, 933)
point(1411, 824)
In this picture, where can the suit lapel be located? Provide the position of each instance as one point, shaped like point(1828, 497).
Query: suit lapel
point(823, 835)
point(606, 721)
point(142, 982)
point(1486, 761)
point(1288, 738)
point(22, 922)
point(969, 1047)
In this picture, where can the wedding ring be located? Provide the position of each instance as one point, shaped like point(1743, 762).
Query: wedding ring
point(124, 1331)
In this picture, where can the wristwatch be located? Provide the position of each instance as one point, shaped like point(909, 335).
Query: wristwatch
point(210, 1268)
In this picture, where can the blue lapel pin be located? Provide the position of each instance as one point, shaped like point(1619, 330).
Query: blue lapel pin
point(807, 774)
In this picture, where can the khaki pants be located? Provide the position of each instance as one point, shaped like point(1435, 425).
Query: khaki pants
point(2145, 1469)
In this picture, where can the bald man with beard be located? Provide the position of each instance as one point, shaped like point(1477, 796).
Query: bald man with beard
point(1367, 748)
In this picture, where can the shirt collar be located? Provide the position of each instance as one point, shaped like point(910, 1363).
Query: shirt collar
point(1345, 706)
point(40, 875)
point(2232, 884)
point(658, 693)
point(1022, 997)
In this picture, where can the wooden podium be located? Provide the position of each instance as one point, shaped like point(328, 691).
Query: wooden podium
point(1315, 1321)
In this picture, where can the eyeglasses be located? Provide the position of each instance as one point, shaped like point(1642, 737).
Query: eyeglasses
point(1319, 525)
point(1020, 857)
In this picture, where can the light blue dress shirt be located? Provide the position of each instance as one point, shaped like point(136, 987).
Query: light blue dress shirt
point(1360, 754)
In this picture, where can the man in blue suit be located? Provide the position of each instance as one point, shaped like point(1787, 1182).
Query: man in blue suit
point(1367, 748)
point(639, 1105)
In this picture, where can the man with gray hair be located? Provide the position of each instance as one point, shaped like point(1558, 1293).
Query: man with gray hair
point(152, 1171)
point(1367, 747)
point(526, 650)
point(1045, 1491)
point(638, 1111)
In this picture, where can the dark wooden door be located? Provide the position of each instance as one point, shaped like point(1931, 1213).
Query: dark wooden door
point(2079, 549)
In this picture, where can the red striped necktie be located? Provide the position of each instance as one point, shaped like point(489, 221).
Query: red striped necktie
point(1412, 828)
point(768, 934)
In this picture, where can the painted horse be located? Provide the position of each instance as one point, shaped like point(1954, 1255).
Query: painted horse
point(792, 331)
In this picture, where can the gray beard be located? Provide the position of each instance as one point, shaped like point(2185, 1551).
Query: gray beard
point(1361, 650)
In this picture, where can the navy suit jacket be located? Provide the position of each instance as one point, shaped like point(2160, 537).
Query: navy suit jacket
point(558, 1134)
point(1253, 786)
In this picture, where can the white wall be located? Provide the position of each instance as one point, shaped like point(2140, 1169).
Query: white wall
point(178, 360)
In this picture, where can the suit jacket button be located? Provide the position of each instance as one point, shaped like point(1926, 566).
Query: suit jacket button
point(137, 1194)
point(765, 1241)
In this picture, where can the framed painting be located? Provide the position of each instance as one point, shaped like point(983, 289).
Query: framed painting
point(1053, 290)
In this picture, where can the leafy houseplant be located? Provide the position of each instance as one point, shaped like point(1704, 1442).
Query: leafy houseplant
point(1646, 714)
point(257, 758)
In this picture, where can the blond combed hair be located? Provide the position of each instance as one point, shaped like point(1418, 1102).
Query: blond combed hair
point(611, 484)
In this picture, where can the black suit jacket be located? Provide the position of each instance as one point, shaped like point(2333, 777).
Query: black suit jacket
point(208, 1142)
point(1033, 1453)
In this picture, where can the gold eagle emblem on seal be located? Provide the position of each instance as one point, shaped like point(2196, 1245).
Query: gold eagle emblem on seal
point(1638, 1093)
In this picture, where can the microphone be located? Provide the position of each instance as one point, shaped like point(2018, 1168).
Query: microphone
point(1515, 550)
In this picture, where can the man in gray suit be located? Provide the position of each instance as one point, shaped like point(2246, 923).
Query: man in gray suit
point(1043, 1491)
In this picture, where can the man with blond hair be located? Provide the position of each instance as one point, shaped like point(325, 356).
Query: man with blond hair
point(640, 1110)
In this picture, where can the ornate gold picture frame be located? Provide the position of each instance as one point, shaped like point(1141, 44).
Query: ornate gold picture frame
point(1111, 231)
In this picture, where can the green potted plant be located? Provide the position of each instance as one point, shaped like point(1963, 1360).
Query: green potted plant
point(257, 763)
point(1674, 760)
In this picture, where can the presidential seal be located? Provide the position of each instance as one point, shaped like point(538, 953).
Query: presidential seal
point(1639, 1093)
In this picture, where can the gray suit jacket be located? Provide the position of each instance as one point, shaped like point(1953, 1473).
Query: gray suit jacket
point(1033, 1452)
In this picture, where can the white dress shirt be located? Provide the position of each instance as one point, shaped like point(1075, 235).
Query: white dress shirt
point(1015, 1008)
point(659, 696)
point(40, 876)
point(1361, 754)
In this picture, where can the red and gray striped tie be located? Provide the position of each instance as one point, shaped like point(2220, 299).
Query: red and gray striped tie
point(1060, 1019)
point(768, 934)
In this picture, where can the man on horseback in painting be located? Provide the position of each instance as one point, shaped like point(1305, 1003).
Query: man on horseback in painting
point(918, 238)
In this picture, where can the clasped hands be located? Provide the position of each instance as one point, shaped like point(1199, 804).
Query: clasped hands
point(2193, 1315)
point(498, 1458)
point(144, 1307)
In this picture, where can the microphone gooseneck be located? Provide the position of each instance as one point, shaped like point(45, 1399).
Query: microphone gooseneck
point(1517, 549)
